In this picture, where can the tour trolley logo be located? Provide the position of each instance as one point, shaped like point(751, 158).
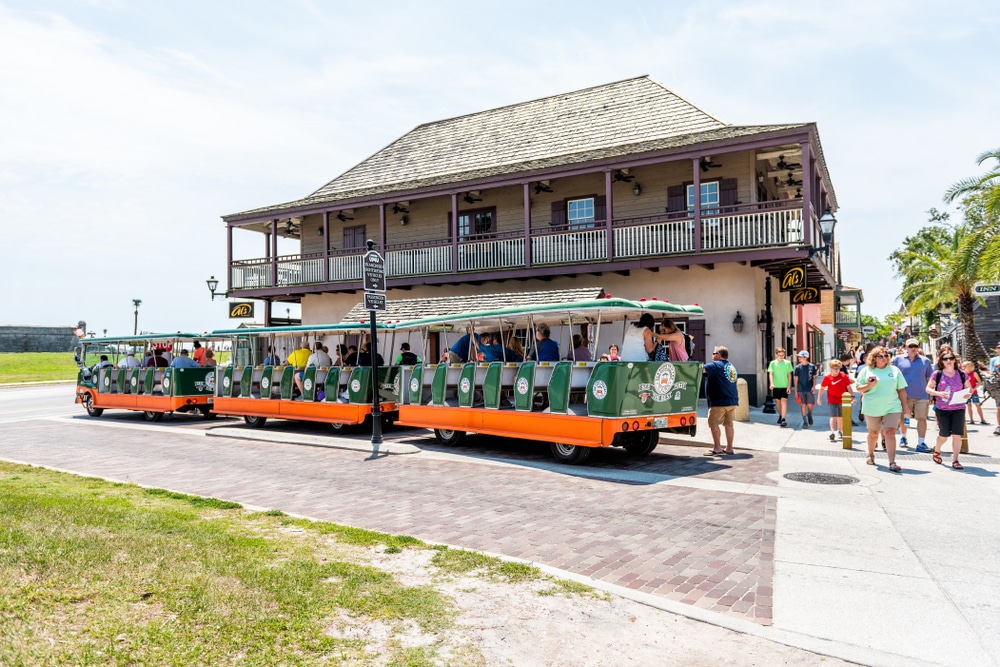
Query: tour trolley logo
point(307, 384)
point(265, 383)
point(226, 381)
point(522, 386)
point(355, 385)
point(208, 384)
point(414, 383)
point(664, 386)
point(465, 386)
point(599, 390)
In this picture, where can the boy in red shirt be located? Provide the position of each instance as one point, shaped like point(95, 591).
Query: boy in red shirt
point(837, 382)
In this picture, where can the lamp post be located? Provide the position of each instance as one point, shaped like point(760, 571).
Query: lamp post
point(136, 303)
point(213, 284)
point(738, 322)
point(768, 330)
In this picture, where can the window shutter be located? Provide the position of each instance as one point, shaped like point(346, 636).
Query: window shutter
point(558, 213)
point(727, 192)
point(676, 195)
point(600, 208)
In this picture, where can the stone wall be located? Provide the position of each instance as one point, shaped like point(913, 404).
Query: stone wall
point(37, 339)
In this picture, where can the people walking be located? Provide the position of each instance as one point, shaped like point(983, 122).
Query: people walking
point(883, 389)
point(916, 370)
point(804, 379)
point(779, 379)
point(994, 370)
point(723, 397)
point(947, 381)
point(975, 380)
point(836, 383)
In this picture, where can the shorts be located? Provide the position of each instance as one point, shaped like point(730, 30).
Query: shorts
point(807, 397)
point(918, 407)
point(889, 421)
point(973, 400)
point(950, 422)
point(836, 409)
point(721, 415)
point(780, 392)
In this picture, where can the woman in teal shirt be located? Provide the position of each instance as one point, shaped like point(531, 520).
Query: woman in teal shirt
point(884, 391)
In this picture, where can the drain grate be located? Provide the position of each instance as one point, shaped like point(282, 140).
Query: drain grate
point(821, 478)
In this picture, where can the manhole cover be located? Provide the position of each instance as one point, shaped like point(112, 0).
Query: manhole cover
point(821, 478)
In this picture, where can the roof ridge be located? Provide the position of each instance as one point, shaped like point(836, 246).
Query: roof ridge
point(689, 102)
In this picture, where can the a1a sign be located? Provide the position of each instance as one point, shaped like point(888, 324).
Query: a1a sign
point(374, 271)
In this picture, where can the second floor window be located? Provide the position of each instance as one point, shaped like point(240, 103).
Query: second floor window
point(580, 213)
point(354, 237)
point(709, 196)
point(473, 223)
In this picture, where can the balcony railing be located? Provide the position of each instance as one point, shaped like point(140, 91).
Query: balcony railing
point(847, 319)
point(728, 228)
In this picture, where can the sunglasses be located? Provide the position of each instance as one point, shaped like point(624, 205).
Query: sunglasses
point(913, 346)
point(947, 358)
point(881, 356)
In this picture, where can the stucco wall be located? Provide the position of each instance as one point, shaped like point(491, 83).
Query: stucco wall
point(37, 339)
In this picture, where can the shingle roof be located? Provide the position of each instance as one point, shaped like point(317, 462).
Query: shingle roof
point(413, 309)
point(618, 119)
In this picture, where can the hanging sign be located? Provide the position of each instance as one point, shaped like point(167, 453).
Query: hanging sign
point(240, 309)
point(374, 301)
point(805, 295)
point(793, 278)
point(374, 269)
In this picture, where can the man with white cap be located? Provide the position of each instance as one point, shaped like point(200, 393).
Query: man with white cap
point(804, 379)
point(916, 370)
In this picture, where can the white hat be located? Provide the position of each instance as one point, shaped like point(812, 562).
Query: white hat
point(803, 353)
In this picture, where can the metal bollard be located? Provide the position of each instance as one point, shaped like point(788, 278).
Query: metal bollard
point(846, 418)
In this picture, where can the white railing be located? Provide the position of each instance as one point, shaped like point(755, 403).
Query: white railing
point(253, 276)
point(846, 318)
point(749, 230)
point(300, 271)
point(493, 254)
point(418, 261)
point(661, 238)
point(345, 267)
point(584, 245)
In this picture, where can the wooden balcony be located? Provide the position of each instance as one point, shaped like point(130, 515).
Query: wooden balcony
point(739, 227)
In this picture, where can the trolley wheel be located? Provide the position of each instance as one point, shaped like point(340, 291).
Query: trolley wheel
point(337, 428)
point(206, 412)
point(255, 422)
point(151, 416)
point(571, 454)
point(88, 403)
point(641, 443)
point(446, 437)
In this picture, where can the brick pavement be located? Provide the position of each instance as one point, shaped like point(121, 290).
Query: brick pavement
point(710, 549)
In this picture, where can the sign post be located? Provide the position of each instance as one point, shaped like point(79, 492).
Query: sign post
point(374, 270)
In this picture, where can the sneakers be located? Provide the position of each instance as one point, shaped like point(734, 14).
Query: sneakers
point(782, 423)
point(833, 437)
point(840, 434)
point(902, 441)
point(810, 419)
point(984, 423)
point(805, 424)
point(779, 419)
point(922, 448)
point(996, 431)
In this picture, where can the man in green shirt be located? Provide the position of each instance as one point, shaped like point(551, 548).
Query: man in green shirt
point(779, 379)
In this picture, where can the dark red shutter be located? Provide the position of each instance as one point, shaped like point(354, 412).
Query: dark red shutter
point(558, 213)
point(600, 208)
point(676, 198)
point(727, 192)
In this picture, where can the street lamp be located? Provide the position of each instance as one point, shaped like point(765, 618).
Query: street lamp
point(738, 322)
point(213, 284)
point(826, 224)
point(136, 303)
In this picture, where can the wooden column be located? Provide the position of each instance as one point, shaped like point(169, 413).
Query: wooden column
point(527, 224)
point(229, 257)
point(274, 252)
point(609, 205)
point(807, 223)
point(697, 203)
point(454, 232)
point(326, 246)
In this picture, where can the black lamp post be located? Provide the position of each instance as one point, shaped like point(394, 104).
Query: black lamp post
point(213, 285)
point(768, 343)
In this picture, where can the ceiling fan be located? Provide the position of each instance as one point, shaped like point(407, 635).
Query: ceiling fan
point(470, 198)
point(623, 175)
point(791, 182)
point(400, 207)
point(291, 229)
point(706, 163)
point(343, 215)
point(542, 186)
point(782, 165)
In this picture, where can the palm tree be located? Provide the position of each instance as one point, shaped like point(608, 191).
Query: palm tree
point(987, 185)
point(942, 268)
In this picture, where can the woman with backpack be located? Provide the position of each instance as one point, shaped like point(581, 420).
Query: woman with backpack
point(946, 381)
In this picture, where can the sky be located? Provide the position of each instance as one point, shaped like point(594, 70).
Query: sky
point(129, 127)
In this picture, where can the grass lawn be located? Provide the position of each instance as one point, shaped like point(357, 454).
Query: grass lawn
point(36, 366)
point(95, 573)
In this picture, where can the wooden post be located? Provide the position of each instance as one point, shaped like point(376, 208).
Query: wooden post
point(847, 419)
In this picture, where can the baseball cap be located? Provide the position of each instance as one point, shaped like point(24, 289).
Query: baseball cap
point(912, 341)
point(803, 353)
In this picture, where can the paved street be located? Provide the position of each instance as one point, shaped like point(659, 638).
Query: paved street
point(895, 569)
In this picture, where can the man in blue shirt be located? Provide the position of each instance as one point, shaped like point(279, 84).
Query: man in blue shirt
point(723, 398)
point(916, 370)
point(459, 353)
point(184, 361)
point(548, 349)
point(804, 379)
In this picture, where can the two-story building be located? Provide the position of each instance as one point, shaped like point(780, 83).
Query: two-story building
point(625, 186)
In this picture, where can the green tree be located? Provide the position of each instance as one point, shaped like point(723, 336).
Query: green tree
point(981, 195)
point(940, 265)
point(988, 186)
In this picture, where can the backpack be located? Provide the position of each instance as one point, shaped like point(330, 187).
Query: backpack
point(937, 378)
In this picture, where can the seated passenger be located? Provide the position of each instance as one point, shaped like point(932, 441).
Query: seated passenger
point(546, 348)
point(352, 356)
point(490, 348)
point(129, 361)
point(365, 357)
point(271, 359)
point(464, 349)
point(639, 342)
point(580, 350)
point(209, 359)
point(670, 343)
point(612, 354)
point(341, 355)
point(405, 357)
point(184, 360)
point(157, 360)
point(300, 357)
point(199, 354)
point(103, 363)
point(317, 359)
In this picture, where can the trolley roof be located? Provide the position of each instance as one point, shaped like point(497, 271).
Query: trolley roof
point(303, 329)
point(179, 335)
